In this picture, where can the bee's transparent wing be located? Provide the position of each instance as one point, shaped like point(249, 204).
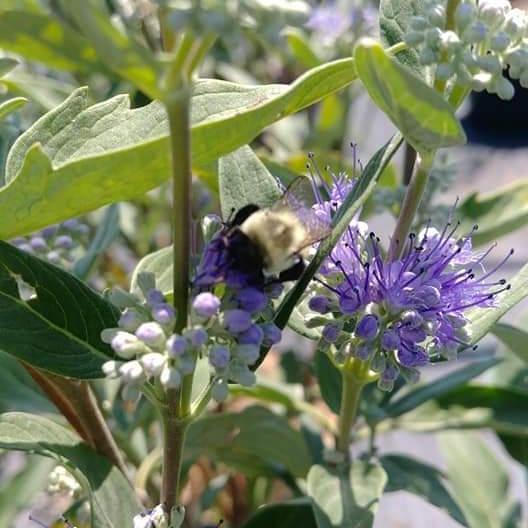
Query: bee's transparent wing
point(299, 198)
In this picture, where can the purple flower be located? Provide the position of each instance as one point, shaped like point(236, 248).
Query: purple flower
point(38, 243)
point(177, 345)
point(49, 232)
point(320, 304)
point(251, 299)
point(64, 242)
point(331, 332)
point(367, 327)
point(151, 334)
point(197, 336)
point(206, 304)
point(219, 356)
point(154, 297)
point(164, 314)
point(254, 335)
point(272, 334)
point(237, 321)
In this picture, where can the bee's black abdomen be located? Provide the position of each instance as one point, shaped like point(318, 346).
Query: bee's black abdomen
point(246, 257)
point(292, 273)
point(243, 214)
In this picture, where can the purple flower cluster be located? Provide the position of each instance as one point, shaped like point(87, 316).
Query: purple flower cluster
point(57, 244)
point(399, 314)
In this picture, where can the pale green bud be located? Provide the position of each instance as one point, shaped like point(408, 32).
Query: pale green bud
point(433, 37)
point(427, 57)
point(475, 33)
point(490, 63)
point(413, 38)
point(504, 88)
point(111, 368)
point(500, 41)
point(153, 363)
point(465, 14)
point(444, 71)
point(493, 12)
point(132, 372)
point(437, 16)
point(418, 23)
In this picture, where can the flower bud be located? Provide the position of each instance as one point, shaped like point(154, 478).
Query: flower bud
point(504, 89)
point(490, 63)
point(220, 390)
point(465, 13)
point(475, 33)
point(206, 305)
point(499, 42)
point(523, 79)
point(418, 23)
point(320, 304)
point(154, 297)
point(151, 334)
point(121, 298)
point(219, 356)
point(153, 363)
point(385, 385)
point(251, 300)
point(237, 321)
point(49, 232)
point(349, 304)
point(433, 38)
point(111, 368)
point(170, 378)
point(437, 16)
point(177, 345)
point(411, 319)
point(390, 340)
point(444, 71)
point(38, 243)
point(367, 327)
point(413, 38)
point(493, 12)
point(272, 334)
point(364, 351)
point(274, 290)
point(427, 56)
point(131, 319)
point(248, 353)
point(429, 295)
point(254, 335)
point(186, 364)
point(241, 374)
point(197, 336)
point(164, 314)
point(127, 345)
point(378, 363)
point(516, 24)
point(53, 257)
point(331, 332)
point(132, 372)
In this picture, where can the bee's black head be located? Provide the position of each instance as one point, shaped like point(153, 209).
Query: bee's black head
point(243, 214)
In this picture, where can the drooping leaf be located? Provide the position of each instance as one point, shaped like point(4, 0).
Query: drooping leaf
point(107, 231)
point(437, 388)
point(478, 479)
point(346, 499)
point(514, 338)
point(112, 499)
point(411, 475)
point(243, 180)
point(42, 38)
point(497, 213)
point(9, 106)
point(421, 114)
point(58, 327)
point(20, 489)
point(483, 319)
point(330, 381)
point(255, 441)
point(110, 153)
point(394, 19)
point(294, 513)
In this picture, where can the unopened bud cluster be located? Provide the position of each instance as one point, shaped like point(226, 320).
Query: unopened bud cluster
point(485, 40)
point(62, 481)
point(59, 244)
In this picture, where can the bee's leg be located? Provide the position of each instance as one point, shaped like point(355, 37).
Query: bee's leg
point(292, 273)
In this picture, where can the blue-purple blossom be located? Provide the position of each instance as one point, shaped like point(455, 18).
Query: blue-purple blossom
point(251, 299)
point(219, 356)
point(254, 335)
point(197, 336)
point(177, 345)
point(272, 334)
point(164, 314)
point(412, 308)
point(237, 321)
point(206, 304)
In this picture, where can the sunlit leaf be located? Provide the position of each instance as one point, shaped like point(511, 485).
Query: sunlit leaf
point(9, 106)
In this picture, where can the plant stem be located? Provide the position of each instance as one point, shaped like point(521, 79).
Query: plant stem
point(410, 205)
point(354, 375)
point(174, 430)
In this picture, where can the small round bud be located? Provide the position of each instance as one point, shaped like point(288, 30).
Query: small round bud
point(449, 42)
point(111, 368)
point(433, 38)
point(131, 319)
point(186, 364)
point(465, 13)
point(444, 71)
point(49, 232)
point(413, 38)
point(378, 363)
point(177, 345)
point(272, 334)
point(418, 23)
point(154, 297)
point(38, 243)
point(164, 314)
point(219, 356)
point(206, 305)
point(54, 257)
point(481, 81)
point(241, 374)
point(127, 345)
point(367, 327)
point(390, 340)
point(504, 89)
point(523, 79)
point(516, 24)
point(456, 320)
point(121, 298)
point(427, 57)
point(320, 304)
point(170, 378)
point(237, 321)
point(82, 229)
point(26, 248)
point(251, 300)
point(153, 363)
point(197, 336)
point(490, 63)
point(254, 335)
point(493, 12)
point(385, 385)
point(390, 373)
point(349, 304)
point(132, 372)
point(274, 290)
point(364, 351)
point(475, 33)
point(70, 224)
point(411, 375)
point(437, 16)
point(249, 354)
point(63, 242)
point(331, 332)
point(151, 334)
point(220, 390)
point(499, 42)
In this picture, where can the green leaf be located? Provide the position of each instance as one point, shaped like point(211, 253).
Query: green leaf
point(514, 338)
point(9, 106)
point(411, 475)
point(20, 489)
point(482, 319)
point(517, 447)
point(271, 392)
point(479, 481)
point(89, 157)
point(107, 231)
point(243, 180)
point(6, 65)
point(160, 263)
point(353, 202)
point(394, 19)
point(112, 499)
point(18, 391)
point(58, 328)
point(346, 500)
point(39, 37)
point(290, 514)
point(300, 48)
point(437, 388)
point(121, 53)
point(497, 213)
point(422, 115)
point(256, 441)
point(330, 381)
